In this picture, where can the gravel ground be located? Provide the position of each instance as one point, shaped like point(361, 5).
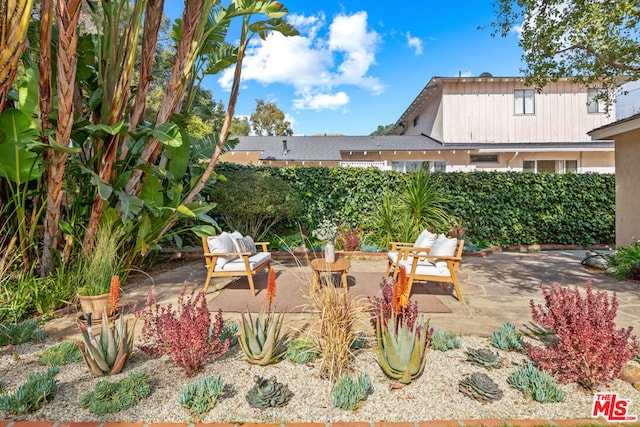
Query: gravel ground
point(433, 396)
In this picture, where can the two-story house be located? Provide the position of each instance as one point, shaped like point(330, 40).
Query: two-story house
point(464, 124)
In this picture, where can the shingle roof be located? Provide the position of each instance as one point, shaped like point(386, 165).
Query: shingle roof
point(329, 148)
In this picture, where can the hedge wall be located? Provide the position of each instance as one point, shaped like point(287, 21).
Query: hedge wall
point(500, 208)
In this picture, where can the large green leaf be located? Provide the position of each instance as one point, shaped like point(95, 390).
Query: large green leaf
point(104, 189)
point(16, 163)
point(168, 134)
point(130, 206)
point(179, 158)
point(152, 190)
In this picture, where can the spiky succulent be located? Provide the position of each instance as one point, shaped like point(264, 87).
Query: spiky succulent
point(200, 397)
point(348, 393)
point(268, 393)
point(536, 384)
point(480, 387)
point(506, 338)
point(109, 353)
point(443, 340)
point(402, 351)
point(484, 357)
point(261, 340)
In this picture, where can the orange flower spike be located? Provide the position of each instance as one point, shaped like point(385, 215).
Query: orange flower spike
point(114, 295)
point(403, 289)
point(271, 287)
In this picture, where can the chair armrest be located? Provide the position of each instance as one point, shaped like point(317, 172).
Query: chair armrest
point(264, 246)
point(226, 253)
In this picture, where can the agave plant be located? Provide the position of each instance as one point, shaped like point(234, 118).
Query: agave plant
point(260, 337)
point(109, 353)
point(402, 351)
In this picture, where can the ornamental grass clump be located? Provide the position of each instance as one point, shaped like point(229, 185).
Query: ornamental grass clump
point(589, 349)
point(186, 333)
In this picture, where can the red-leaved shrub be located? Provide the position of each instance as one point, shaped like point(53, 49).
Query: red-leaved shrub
point(590, 350)
point(350, 241)
point(185, 334)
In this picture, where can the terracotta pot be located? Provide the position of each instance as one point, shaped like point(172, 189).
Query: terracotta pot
point(95, 304)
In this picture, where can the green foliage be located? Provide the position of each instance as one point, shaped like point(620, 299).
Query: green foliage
point(108, 397)
point(253, 201)
point(200, 397)
point(101, 263)
point(506, 338)
point(495, 208)
point(623, 260)
point(18, 333)
point(301, 350)
point(536, 384)
point(349, 394)
point(261, 340)
point(32, 394)
point(269, 120)
point(2, 386)
point(61, 354)
point(480, 387)
point(229, 332)
point(443, 340)
point(483, 357)
point(108, 354)
point(268, 393)
point(360, 340)
point(423, 199)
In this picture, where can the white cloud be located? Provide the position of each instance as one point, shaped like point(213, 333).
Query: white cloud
point(415, 43)
point(317, 61)
point(321, 101)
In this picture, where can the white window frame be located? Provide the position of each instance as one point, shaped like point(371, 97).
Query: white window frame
point(413, 165)
point(561, 166)
point(595, 106)
point(524, 102)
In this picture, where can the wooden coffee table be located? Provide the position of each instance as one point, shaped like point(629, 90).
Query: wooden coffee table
point(341, 265)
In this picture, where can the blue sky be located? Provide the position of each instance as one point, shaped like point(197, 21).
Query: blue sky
point(359, 64)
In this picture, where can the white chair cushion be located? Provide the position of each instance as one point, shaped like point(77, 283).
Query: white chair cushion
point(220, 244)
point(246, 244)
point(427, 269)
point(443, 246)
point(393, 256)
point(425, 240)
point(254, 261)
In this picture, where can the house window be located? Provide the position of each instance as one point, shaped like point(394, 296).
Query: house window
point(483, 158)
point(416, 119)
point(550, 166)
point(411, 166)
point(595, 102)
point(524, 101)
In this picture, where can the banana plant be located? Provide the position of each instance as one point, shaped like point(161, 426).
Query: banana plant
point(401, 351)
point(260, 337)
point(109, 353)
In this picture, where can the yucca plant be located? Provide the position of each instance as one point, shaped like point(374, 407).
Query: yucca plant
point(260, 337)
point(109, 353)
point(402, 351)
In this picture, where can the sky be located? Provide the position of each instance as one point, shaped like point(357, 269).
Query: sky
point(359, 64)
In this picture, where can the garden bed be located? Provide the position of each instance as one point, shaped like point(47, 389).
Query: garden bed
point(432, 396)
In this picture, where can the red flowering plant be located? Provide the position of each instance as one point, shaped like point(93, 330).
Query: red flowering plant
point(394, 300)
point(589, 349)
point(185, 334)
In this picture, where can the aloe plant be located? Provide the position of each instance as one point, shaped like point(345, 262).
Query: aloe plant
point(402, 351)
point(109, 353)
point(260, 337)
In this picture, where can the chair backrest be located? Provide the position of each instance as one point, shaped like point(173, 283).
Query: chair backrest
point(458, 254)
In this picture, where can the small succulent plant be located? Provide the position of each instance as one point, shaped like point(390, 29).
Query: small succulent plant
point(348, 393)
point(107, 354)
point(480, 387)
point(260, 337)
point(506, 338)
point(268, 393)
point(402, 351)
point(61, 354)
point(536, 384)
point(200, 397)
point(443, 340)
point(302, 350)
point(18, 333)
point(36, 391)
point(108, 397)
point(484, 357)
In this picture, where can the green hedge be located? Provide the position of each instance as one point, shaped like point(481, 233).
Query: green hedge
point(500, 208)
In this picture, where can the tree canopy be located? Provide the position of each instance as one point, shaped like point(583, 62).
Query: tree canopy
point(268, 120)
point(593, 42)
point(381, 130)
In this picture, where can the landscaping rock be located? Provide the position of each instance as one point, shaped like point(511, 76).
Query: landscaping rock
point(595, 260)
point(631, 374)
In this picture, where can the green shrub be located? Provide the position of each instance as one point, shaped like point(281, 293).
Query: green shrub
point(200, 397)
point(536, 384)
point(443, 340)
point(348, 393)
point(301, 350)
point(624, 259)
point(506, 338)
point(108, 397)
point(18, 333)
point(32, 394)
point(61, 354)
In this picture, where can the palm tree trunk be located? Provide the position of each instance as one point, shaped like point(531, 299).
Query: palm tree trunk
point(44, 83)
point(68, 15)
